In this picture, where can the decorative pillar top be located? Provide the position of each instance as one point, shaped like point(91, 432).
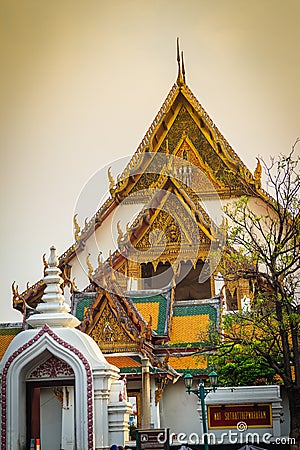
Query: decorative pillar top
point(53, 310)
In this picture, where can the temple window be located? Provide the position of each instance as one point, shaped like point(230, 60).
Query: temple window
point(156, 279)
point(189, 288)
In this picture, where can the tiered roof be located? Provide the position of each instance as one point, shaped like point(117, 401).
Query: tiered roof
point(153, 324)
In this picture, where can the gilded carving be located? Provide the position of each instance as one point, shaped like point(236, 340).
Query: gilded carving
point(145, 181)
point(168, 236)
point(66, 276)
point(174, 233)
point(157, 237)
point(257, 173)
point(89, 266)
point(45, 262)
point(160, 229)
point(111, 180)
point(108, 331)
point(120, 233)
point(206, 156)
point(76, 228)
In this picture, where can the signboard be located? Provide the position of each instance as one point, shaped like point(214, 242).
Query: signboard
point(151, 439)
point(228, 416)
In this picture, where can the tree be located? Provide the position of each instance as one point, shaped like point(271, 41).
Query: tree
point(265, 233)
point(237, 368)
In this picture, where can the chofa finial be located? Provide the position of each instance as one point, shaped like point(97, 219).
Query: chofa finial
point(257, 173)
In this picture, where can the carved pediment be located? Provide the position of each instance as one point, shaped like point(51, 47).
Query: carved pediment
point(189, 138)
point(173, 233)
point(110, 333)
point(53, 367)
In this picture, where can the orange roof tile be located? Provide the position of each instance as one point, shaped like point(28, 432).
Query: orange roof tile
point(5, 340)
point(189, 328)
point(148, 309)
point(188, 362)
point(123, 361)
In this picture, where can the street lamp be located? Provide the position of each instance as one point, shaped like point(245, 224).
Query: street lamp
point(201, 393)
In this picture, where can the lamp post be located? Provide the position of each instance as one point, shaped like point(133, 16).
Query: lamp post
point(201, 393)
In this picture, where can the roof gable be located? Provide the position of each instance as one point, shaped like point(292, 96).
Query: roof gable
point(112, 321)
point(171, 222)
point(180, 115)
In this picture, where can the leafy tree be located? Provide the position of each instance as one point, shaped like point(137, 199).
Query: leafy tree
point(265, 231)
point(237, 368)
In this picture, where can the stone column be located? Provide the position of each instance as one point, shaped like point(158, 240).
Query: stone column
point(119, 410)
point(146, 414)
point(101, 398)
point(155, 417)
point(67, 419)
point(276, 414)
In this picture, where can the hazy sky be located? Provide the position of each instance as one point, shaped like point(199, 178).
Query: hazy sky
point(81, 81)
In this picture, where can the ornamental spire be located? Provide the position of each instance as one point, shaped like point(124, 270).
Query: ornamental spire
point(183, 69)
point(53, 310)
point(181, 73)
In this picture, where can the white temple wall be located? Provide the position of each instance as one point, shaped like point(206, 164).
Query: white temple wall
point(68, 419)
point(79, 271)
point(213, 207)
point(248, 395)
point(178, 410)
point(285, 413)
point(183, 412)
point(256, 205)
point(119, 410)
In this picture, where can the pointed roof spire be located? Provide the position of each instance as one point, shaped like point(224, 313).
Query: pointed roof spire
point(180, 79)
point(53, 311)
point(183, 69)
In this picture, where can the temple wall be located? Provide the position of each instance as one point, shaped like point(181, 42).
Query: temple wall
point(103, 240)
point(178, 410)
point(183, 414)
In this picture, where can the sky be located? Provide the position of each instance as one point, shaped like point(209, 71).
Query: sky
point(82, 80)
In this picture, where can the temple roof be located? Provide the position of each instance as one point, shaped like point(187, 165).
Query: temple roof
point(190, 324)
point(196, 364)
point(184, 135)
point(151, 324)
point(7, 334)
point(162, 136)
point(154, 309)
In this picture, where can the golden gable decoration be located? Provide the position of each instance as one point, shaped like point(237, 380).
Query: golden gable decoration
point(109, 334)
